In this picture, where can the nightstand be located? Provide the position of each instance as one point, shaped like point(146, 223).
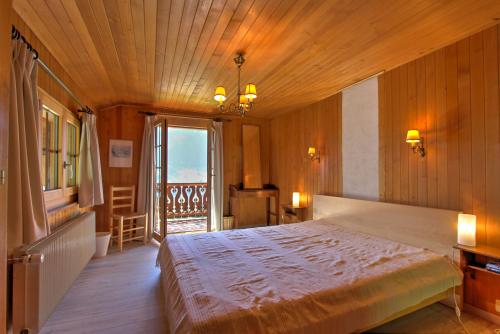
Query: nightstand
point(293, 214)
point(481, 286)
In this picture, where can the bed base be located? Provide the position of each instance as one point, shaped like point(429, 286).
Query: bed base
point(426, 302)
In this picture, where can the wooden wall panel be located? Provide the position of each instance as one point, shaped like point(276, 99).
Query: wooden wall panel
point(253, 210)
point(5, 62)
point(452, 97)
point(317, 125)
point(117, 123)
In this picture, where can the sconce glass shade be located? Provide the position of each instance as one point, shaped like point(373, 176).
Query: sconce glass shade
point(311, 151)
point(413, 136)
point(467, 230)
point(250, 91)
point(296, 199)
point(220, 94)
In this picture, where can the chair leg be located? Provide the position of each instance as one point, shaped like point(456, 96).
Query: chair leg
point(146, 229)
point(111, 231)
point(120, 234)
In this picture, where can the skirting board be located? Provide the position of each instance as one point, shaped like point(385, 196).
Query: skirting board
point(483, 314)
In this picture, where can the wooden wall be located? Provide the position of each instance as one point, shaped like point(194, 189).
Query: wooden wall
point(292, 170)
point(5, 57)
point(452, 97)
point(117, 123)
point(253, 210)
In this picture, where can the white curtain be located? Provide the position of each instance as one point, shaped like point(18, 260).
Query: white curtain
point(27, 216)
point(90, 183)
point(217, 214)
point(145, 190)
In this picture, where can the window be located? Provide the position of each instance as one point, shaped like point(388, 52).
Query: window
point(50, 149)
point(72, 149)
point(60, 145)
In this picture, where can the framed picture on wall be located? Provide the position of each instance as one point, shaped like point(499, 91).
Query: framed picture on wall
point(120, 153)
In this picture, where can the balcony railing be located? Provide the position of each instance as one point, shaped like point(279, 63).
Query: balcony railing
point(186, 200)
point(183, 200)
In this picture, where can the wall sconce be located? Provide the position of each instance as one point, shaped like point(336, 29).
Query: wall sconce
point(417, 143)
point(296, 199)
point(466, 230)
point(312, 153)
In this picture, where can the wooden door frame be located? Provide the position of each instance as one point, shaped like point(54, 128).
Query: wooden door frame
point(5, 60)
point(164, 126)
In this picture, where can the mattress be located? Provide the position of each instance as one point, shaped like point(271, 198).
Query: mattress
point(311, 277)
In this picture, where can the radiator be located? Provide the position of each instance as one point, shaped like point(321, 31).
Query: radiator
point(49, 268)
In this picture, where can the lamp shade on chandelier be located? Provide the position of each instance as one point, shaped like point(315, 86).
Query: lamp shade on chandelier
point(245, 99)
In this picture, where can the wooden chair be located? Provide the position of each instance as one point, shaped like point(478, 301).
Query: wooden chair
point(122, 211)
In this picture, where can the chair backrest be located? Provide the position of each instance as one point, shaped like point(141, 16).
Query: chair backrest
point(121, 199)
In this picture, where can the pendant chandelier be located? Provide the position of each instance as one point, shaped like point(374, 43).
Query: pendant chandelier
point(245, 100)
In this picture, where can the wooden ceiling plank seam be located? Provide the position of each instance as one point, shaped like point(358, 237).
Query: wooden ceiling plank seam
point(176, 14)
point(187, 23)
point(191, 46)
point(79, 26)
point(150, 12)
point(139, 32)
point(116, 13)
point(93, 12)
point(162, 23)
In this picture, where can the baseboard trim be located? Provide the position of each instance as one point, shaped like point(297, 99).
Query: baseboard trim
point(483, 314)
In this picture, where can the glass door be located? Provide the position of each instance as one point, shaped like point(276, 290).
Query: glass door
point(181, 179)
point(159, 163)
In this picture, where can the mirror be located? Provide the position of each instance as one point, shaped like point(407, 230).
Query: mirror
point(252, 177)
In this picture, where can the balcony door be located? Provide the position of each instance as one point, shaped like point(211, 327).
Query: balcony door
point(182, 178)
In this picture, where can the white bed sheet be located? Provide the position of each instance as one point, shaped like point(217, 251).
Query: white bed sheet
point(311, 277)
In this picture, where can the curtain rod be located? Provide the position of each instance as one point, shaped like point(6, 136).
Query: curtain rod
point(17, 35)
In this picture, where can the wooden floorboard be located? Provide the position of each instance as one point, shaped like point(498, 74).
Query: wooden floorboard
point(121, 293)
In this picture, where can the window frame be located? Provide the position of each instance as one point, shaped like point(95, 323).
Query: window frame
point(63, 194)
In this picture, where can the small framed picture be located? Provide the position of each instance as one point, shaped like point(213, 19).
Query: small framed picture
point(120, 153)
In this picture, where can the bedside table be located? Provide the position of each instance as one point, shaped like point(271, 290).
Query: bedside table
point(293, 214)
point(481, 286)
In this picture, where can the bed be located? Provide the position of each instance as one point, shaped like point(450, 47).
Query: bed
point(357, 265)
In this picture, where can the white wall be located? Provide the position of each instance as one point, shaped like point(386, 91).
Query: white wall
point(360, 151)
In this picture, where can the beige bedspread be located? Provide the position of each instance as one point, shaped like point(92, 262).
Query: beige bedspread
point(312, 277)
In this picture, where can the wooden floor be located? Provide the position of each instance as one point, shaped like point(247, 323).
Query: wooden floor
point(121, 293)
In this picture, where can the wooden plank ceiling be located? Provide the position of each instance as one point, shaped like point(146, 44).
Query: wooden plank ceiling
point(172, 53)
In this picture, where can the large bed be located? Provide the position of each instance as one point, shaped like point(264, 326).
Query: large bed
point(357, 265)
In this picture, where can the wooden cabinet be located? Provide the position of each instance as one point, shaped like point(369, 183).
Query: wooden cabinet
point(481, 287)
point(236, 194)
point(291, 214)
